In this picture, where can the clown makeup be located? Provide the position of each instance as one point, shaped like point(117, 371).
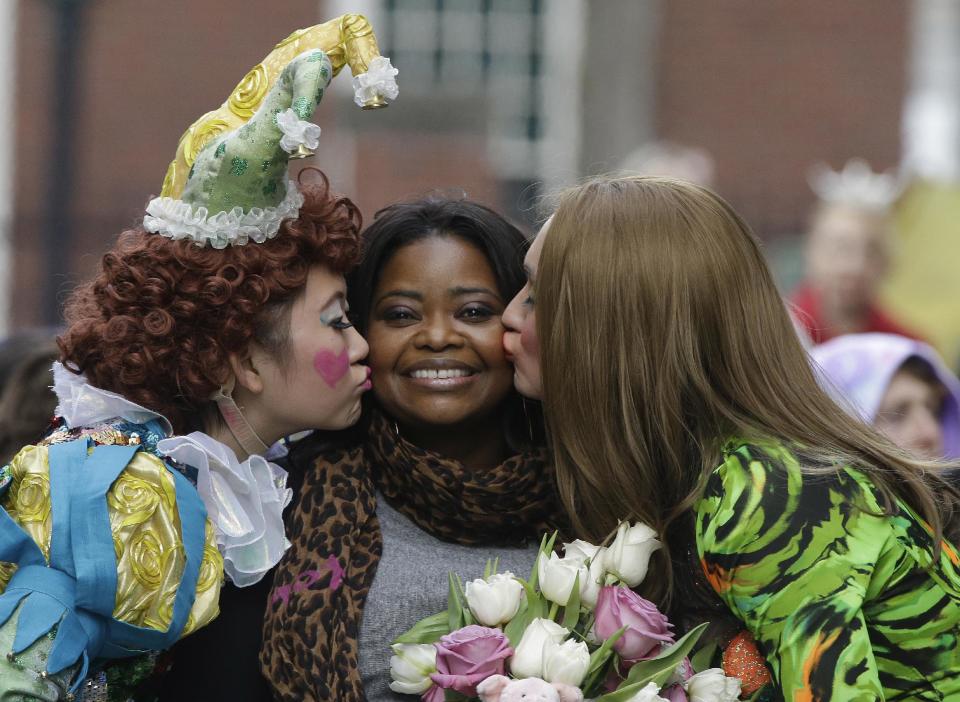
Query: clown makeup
point(333, 366)
point(318, 381)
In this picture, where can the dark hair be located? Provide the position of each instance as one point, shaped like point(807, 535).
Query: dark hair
point(159, 321)
point(920, 368)
point(404, 223)
point(503, 245)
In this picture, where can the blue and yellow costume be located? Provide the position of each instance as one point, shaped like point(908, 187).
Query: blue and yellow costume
point(107, 553)
point(110, 548)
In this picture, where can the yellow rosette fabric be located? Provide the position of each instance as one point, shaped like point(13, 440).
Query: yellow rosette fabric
point(147, 539)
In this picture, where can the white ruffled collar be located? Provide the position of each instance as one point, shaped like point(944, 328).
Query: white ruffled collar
point(244, 500)
point(81, 404)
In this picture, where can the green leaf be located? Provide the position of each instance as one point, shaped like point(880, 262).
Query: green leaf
point(486, 569)
point(598, 662)
point(660, 668)
point(606, 648)
point(546, 548)
point(536, 602)
point(516, 626)
point(427, 630)
point(551, 541)
point(454, 605)
point(467, 614)
point(531, 608)
point(571, 611)
point(535, 573)
point(657, 670)
point(703, 659)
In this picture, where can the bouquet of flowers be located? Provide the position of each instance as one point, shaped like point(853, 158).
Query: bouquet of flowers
point(574, 630)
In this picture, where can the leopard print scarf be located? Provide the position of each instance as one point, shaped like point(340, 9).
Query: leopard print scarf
point(313, 613)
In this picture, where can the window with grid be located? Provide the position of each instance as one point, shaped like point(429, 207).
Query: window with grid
point(458, 48)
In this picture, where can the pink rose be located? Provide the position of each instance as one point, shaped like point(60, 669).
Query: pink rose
point(468, 656)
point(647, 628)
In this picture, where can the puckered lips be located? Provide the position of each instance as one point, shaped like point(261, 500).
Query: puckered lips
point(440, 373)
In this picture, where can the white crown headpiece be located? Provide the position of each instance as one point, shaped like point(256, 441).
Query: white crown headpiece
point(856, 184)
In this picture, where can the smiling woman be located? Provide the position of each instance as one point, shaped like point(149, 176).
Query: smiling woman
point(444, 468)
point(438, 358)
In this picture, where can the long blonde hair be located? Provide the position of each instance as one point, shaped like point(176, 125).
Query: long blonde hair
point(662, 335)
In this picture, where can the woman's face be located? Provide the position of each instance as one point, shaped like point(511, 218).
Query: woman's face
point(909, 415)
point(520, 340)
point(435, 335)
point(318, 381)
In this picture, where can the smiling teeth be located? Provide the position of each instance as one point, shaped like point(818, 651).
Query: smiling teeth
point(440, 374)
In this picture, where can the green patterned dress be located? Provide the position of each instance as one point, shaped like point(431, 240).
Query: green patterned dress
point(845, 603)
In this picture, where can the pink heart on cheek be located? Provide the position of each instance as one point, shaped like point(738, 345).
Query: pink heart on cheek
point(331, 366)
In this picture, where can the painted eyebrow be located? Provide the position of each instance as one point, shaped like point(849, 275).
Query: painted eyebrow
point(326, 312)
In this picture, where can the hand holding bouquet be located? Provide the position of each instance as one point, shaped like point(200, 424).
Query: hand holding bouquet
point(574, 630)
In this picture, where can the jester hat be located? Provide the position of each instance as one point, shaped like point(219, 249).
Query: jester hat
point(228, 184)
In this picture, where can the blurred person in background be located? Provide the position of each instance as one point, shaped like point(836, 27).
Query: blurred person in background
point(27, 401)
point(15, 347)
point(667, 158)
point(900, 386)
point(847, 253)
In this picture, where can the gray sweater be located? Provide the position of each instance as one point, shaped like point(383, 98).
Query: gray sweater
point(410, 584)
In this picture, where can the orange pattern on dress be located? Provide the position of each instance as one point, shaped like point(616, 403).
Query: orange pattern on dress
point(811, 664)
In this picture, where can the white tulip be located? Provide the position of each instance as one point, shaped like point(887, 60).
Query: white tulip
point(648, 694)
point(495, 600)
point(411, 666)
point(565, 662)
point(580, 550)
point(592, 579)
point(556, 577)
point(629, 554)
point(712, 686)
point(527, 661)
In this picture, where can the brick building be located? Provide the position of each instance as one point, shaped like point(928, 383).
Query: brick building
point(499, 99)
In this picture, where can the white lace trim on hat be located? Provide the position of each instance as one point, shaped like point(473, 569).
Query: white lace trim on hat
point(176, 219)
point(297, 132)
point(379, 80)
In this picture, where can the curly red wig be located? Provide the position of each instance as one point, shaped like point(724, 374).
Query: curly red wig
point(159, 321)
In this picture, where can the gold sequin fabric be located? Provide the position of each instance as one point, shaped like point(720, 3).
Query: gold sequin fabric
point(147, 536)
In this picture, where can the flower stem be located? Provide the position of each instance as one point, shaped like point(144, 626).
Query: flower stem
point(588, 624)
point(554, 607)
